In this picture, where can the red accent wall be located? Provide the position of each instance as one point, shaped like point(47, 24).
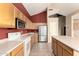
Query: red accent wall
point(4, 32)
point(22, 9)
point(39, 18)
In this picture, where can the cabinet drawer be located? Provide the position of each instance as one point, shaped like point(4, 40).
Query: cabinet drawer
point(59, 50)
point(68, 49)
point(16, 50)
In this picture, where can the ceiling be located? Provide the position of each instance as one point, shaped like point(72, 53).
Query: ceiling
point(66, 8)
point(35, 8)
point(63, 8)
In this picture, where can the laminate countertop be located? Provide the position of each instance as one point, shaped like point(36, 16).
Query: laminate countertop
point(8, 46)
point(72, 42)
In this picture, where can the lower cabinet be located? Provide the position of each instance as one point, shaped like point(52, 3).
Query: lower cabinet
point(54, 46)
point(34, 39)
point(18, 51)
point(66, 53)
point(60, 49)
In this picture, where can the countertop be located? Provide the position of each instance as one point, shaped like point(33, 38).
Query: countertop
point(8, 46)
point(72, 42)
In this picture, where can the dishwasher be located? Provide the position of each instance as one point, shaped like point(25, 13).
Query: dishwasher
point(27, 46)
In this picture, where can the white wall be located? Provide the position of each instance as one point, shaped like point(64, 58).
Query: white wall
point(38, 24)
point(68, 25)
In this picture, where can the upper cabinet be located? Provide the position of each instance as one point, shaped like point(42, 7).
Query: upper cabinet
point(18, 14)
point(21, 16)
point(6, 15)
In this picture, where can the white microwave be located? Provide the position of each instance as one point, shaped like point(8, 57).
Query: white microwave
point(20, 24)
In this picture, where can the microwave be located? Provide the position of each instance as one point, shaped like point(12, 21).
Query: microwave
point(20, 24)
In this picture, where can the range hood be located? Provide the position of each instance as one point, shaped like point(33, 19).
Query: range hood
point(55, 15)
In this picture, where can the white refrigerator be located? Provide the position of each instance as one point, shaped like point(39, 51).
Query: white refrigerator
point(42, 34)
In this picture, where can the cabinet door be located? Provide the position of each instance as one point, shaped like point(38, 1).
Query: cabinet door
point(52, 43)
point(21, 16)
point(17, 13)
point(59, 50)
point(36, 38)
point(20, 53)
point(66, 53)
point(32, 40)
point(6, 15)
point(17, 50)
point(24, 18)
point(70, 50)
point(55, 47)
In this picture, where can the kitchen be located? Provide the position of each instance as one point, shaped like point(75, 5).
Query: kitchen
point(29, 30)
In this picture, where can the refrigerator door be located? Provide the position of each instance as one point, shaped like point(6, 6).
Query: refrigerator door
point(42, 30)
point(43, 38)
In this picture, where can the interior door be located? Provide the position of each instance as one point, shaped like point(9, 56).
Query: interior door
point(53, 26)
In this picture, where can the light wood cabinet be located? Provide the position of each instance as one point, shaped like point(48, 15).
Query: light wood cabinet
point(54, 46)
point(34, 39)
point(18, 51)
point(68, 49)
point(6, 15)
point(60, 49)
point(21, 16)
point(17, 13)
point(24, 18)
point(66, 53)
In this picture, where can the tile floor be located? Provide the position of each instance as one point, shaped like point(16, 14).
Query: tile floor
point(41, 49)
